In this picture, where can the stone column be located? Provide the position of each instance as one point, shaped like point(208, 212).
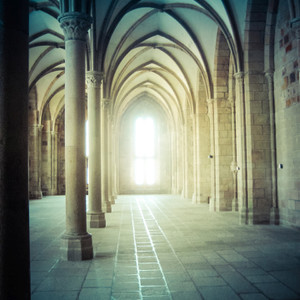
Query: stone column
point(54, 163)
point(274, 213)
point(174, 166)
point(77, 242)
point(244, 213)
point(196, 195)
point(34, 140)
point(188, 155)
point(113, 165)
point(204, 168)
point(180, 158)
point(14, 219)
point(46, 160)
point(109, 161)
point(96, 218)
point(233, 166)
point(117, 161)
point(212, 201)
point(104, 153)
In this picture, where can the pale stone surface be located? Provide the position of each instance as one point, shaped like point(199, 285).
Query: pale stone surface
point(287, 111)
point(96, 218)
point(164, 247)
point(77, 243)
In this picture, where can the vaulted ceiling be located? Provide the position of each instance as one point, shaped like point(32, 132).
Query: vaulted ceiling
point(162, 48)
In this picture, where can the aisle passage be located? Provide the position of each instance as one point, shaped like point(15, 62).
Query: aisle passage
point(163, 247)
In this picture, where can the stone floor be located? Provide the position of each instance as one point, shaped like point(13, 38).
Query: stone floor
point(162, 247)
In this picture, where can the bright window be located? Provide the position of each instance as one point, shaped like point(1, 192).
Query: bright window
point(144, 151)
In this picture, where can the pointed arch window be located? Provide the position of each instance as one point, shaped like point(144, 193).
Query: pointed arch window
point(145, 156)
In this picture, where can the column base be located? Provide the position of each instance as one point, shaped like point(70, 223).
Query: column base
point(108, 207)
point(77, 247)
point(96, 220)
point(274, 216)
point(245, 217)
point(196, 199)
point(113, 200)
point(212, 204)
point(234, 206)
point(35, 195)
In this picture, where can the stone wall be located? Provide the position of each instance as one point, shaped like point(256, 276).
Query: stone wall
point(287, 106)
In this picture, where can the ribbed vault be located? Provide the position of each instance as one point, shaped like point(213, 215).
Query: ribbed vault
point(162, 48)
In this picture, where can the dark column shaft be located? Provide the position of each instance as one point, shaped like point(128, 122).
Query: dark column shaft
point(14, 217)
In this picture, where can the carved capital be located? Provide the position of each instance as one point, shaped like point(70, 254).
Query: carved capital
point(75, 25)
point(210, 106)
point(231, 101)
point(210, 101)
point(239, 76)
point(105, 103)
point(94, 79)
point(40, 127)
point(270, 77)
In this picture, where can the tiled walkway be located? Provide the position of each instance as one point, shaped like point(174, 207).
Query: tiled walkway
point(162, 247)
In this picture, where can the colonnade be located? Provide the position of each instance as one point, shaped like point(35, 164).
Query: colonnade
point(77, 242)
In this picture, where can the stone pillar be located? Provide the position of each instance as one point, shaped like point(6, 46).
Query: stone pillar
point(54, 163)
point(188, 155)
point(109, 161)
point(274, 213)
point(14, 219)
point(104, 153)
point(34, 141)
point(96, 218)
point(244, 213)
point(233, 166)
point(196, 195)
point(113, 165)
point(211, 156)
point(46, 158)
point(204, 167)
point(223, 154)
point(77, 242)
point(174, 166)
point(180, 158)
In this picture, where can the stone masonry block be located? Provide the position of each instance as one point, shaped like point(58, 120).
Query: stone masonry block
point(261, 119)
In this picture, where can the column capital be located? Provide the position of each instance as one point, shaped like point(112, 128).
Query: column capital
point(211, 100)
point(54, 133)
point(37, 126)
point(105, 102)
point(269, 73)
point(270, 76)
point(210, 107)
point(94, 79)
point(239, 75)
point(75, 25)
point(231, 100)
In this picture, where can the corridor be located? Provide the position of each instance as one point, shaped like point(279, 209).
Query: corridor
point(163, 247)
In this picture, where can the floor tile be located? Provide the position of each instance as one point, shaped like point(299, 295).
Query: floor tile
point(163, 247)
